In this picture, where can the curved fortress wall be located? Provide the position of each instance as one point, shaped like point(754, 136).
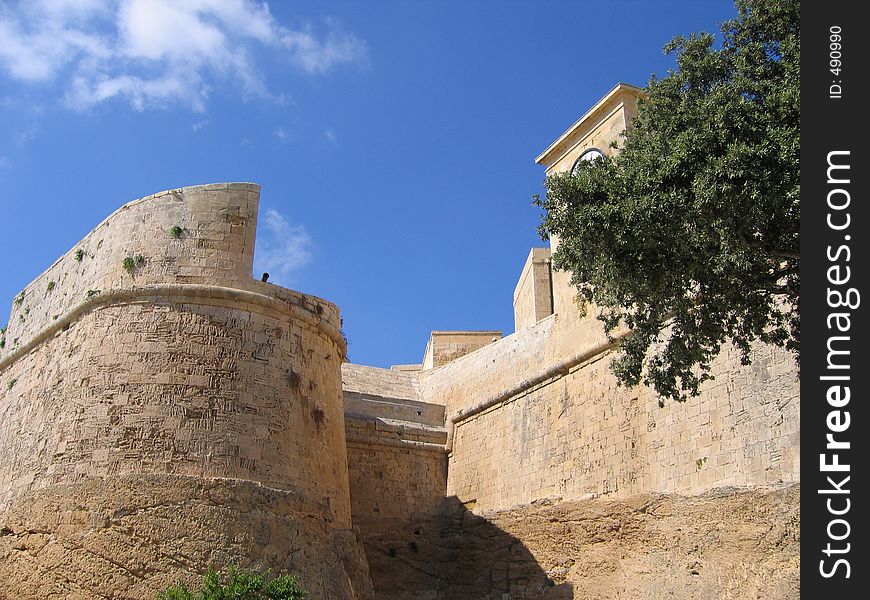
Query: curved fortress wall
point(193, 414)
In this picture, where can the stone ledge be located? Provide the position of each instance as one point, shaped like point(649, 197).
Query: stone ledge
point(203, 294)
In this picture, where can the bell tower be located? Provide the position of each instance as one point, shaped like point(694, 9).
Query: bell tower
point(588, 138)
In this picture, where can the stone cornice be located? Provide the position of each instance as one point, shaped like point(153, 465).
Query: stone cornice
point(188, 293)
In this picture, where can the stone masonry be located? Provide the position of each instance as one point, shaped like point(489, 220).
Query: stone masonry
point(558, 482)
point(162, 411)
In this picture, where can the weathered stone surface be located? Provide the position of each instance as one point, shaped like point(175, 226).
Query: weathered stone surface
point(729, 544)
point(396, 458)
point(536, 423)
point(445, 346)
point(131, 536)
point(163, 414)
point(581, 433)
point(533, 296)
point(406, 478)
point(385, 383)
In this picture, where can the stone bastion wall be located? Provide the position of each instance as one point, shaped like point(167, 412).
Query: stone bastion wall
point(560, 484)
point(161, 411)
point(539, 415)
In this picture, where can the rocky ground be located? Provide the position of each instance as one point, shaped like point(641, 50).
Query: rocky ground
point(729, 543)
point(125, 543)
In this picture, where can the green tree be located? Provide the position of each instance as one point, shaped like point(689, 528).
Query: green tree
point(239, 584)
point(690, 234)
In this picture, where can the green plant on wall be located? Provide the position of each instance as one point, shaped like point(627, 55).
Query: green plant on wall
point(19, 299)
point(239, 584)
point(79, 255)
point(51, 285)
point(176, 231)
point(131, 263)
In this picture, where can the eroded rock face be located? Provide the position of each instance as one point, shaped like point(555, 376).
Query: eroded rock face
point(722, 544)
point(131, 537)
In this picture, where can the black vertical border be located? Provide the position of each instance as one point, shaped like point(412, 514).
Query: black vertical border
point(833, 124)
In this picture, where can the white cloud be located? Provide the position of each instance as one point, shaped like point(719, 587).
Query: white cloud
point(157, 53)
point(319, 55)
point(35, 47)
point(199, 125)
point(329, 134)
point(281, 134)
point(282, 247)
point(26, 135)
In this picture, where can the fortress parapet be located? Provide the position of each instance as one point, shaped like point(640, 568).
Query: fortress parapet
point(145, 374)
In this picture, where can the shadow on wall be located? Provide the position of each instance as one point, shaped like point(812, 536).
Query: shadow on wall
point(452, 555)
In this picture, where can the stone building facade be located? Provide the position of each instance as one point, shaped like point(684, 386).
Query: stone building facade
point(162, 411)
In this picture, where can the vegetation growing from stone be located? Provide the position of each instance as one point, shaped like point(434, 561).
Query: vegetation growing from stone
point(176, 231)
point(690, 234)
point(132, 262)
point(79, 255)
point(295, 380)
point(239, 584)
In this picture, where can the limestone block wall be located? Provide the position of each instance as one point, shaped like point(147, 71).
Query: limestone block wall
point(533, 296)
point(397, 462)
point(574, 433)
point(397, 465)
point(175, 386)
point(212, 245)
point(445, 346)
point(492, 370)
point(603, 125)
point(183, 375)
point(403, 479)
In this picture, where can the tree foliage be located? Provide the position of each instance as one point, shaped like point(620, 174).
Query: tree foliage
point(239, 584)
point(690, 234)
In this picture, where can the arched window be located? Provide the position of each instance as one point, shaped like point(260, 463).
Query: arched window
point(591, 154)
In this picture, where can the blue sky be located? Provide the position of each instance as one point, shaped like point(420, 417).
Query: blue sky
point(394, 140)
